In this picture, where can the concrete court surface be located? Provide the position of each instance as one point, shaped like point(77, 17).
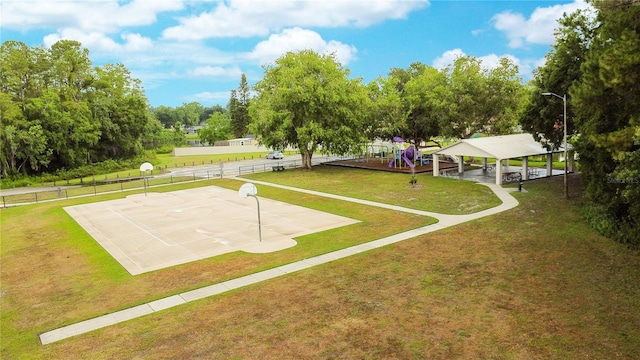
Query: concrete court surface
point(158, 230)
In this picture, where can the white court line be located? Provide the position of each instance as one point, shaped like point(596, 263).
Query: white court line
point(139, 227)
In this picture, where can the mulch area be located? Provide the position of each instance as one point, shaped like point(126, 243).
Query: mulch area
point(383, 165)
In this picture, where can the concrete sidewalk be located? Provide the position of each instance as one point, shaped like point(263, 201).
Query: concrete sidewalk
point(444, 221)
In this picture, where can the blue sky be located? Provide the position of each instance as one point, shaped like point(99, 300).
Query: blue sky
point(189, 50)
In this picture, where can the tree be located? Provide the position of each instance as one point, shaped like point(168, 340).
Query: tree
point(484, 101)
point(60, 112)
point(22, 142)
point(23, 74)
point(411, 103)
point(400, 103)
point(427, 98)
point(152, 135)
point(207, 112)
point(542, 116)
point(307, 100)
point(386, 114)
point(239, 108)
point(218, 127)
point(118, 104)
point(606, 101)
point(166, 115)
point(232, 109)
point(188, 114)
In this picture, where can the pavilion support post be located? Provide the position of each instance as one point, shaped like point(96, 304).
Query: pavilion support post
point(498, 171)
point(436, 165)
point(484, 164)
point(572, 162)
point(460, 164)
point(525, 168)
point(549, 164)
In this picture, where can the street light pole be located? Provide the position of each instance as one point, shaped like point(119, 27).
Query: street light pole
point(566, 159)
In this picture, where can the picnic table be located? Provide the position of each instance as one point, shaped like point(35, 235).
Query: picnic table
point(511, 176)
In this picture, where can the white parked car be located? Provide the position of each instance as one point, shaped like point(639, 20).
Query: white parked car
point(275, 155)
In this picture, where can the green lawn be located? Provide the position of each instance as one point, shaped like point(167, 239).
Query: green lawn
point(437, 194)
point(531, 283)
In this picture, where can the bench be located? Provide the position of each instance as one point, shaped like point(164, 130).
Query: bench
point(277, 168)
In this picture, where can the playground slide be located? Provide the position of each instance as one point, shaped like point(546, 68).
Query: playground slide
point(404, 157)
point(409, 162)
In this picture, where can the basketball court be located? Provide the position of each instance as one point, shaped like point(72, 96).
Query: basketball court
point(158, 230)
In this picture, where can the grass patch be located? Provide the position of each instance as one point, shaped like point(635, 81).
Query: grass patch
point(534, 282)
point(437, 194)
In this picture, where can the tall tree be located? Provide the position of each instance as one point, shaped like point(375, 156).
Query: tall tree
point(411, 103)
point(307, 100)
point(188, 114)
point(239, 107)
point(387, 114)
point(232, 109)
point(427, 98)
point(542, 116)
point(118, 104)
point(63, 108)
point(59, 112)
point(606, 100)
point(484, 101)
point(23, 77)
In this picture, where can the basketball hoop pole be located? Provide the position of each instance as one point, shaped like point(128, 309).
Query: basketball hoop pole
point(259, 224)
point(144, 169)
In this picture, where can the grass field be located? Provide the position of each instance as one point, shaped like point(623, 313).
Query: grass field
point(438, 194)
point(531, 283)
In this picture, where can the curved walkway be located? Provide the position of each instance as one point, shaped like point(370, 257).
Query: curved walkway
point(444, 221)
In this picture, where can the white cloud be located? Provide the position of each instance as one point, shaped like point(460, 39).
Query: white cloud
point(492, 61)
point(207, 97)
point(448, 58)
point(540, 26)
point(99, 42)
point(297, 39)
point(217, 71)
point(89, 16)
point(241, 18)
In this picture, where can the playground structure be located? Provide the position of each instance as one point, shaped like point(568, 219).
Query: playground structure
point(397, 154)
point(403, 156)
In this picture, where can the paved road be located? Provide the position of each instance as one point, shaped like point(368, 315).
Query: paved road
point(229, 168)
point(240, 167)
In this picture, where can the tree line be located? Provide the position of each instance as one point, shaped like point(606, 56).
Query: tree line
point(309, 101)
point(217, 122)
point(596, 64)
point(57, 111)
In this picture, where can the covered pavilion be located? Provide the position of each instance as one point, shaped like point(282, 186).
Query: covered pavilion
point(501, 148)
